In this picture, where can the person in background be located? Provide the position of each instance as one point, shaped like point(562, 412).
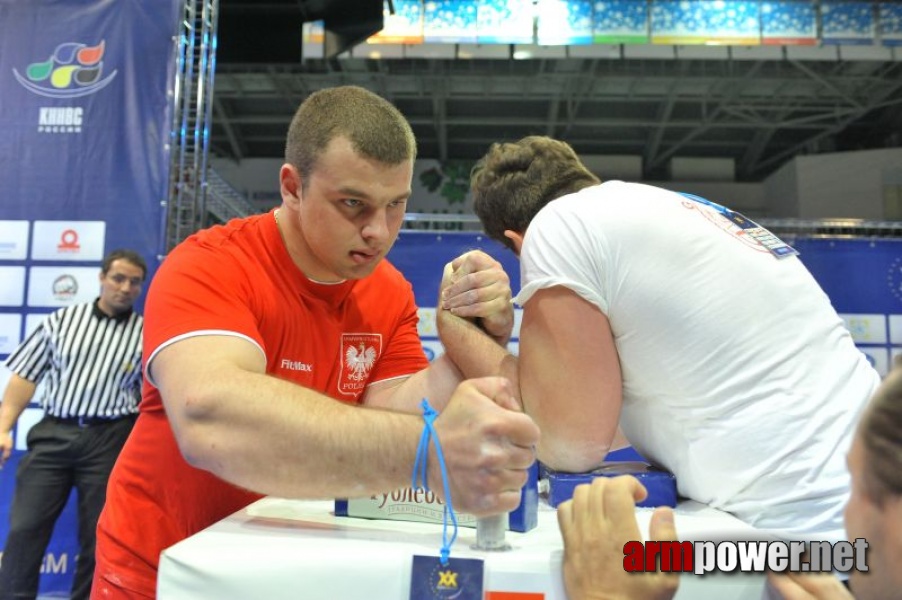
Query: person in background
point(599, 520)
point(282, 356)
point(89, 358)
point(701, 334)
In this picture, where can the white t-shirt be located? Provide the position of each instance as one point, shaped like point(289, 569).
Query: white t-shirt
point(738, 375)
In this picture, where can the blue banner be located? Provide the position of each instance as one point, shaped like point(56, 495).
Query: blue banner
point(85, 110)
point(862, 278)
point(849, 23)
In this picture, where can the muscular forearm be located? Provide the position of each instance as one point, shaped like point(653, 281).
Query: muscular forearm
point(472, 350)
point(436, 383)
point(18, 394)
point(277, 438)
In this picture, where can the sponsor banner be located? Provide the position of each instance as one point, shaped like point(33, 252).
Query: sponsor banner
point(850, 23)
point(450, 21)
point(866, 329)
point(621, 22)
point(426, 326)
point(890, 17)
point(68, 240)
point(85, 108)
point(12, 286)
point(404, 25)
point(13, 240)
point(706, 22)
point(10, 332)
point(563, 22)
point(859, 275)
point(62, 286)
point(895, 329)
point(789, 23)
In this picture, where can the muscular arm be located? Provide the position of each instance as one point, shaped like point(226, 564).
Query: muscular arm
point(475, 316)
point(474, 320)
point(569, 379)
point(18, 394)
point(473, 352)
point(274, 437)
point(436, 382)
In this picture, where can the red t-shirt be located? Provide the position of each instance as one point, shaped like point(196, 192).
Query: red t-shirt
point(238, 279)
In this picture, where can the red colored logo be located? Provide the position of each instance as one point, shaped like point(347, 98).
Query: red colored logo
point(359, 352)
point(68, 241)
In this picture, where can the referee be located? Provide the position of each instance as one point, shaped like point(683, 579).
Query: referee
point(89, 358)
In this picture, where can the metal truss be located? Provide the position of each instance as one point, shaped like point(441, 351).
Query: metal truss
point(759, 113)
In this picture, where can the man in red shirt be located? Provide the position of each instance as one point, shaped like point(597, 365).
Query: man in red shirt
point(254, 329)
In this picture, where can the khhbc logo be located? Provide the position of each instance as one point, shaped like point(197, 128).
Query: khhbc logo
point(73, 70)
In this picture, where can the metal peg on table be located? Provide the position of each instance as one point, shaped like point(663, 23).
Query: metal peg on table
point(490, 533)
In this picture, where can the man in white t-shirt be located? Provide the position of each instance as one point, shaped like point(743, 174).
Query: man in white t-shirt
point(697, 331)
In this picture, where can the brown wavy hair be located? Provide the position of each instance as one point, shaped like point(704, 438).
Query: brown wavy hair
point(514, 181)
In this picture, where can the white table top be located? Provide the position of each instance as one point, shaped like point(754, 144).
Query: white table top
point(277, 548)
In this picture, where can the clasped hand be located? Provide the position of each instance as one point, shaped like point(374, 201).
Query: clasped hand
point(476, 287)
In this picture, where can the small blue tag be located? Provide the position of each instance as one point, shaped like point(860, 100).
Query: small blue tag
point(460, 579)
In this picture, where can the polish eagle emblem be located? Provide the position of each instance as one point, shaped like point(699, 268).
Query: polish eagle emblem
point(359, 360)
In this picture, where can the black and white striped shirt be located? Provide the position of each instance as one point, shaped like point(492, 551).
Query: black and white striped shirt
point(90, 362)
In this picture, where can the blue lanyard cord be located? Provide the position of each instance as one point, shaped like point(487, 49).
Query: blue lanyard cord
point(420, 466)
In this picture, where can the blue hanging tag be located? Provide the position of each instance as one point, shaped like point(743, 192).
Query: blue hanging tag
point(458, 579)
